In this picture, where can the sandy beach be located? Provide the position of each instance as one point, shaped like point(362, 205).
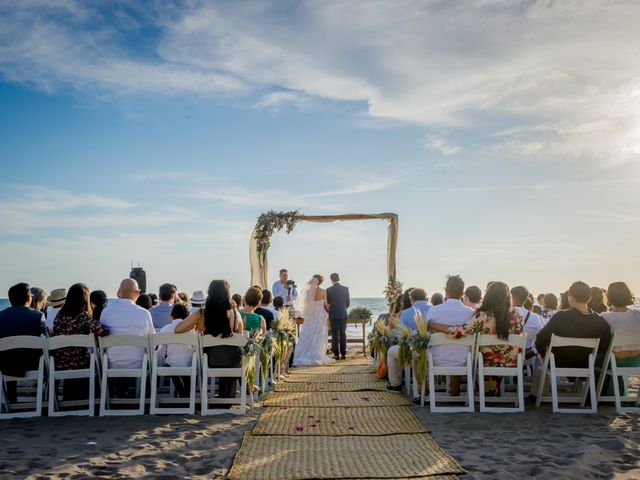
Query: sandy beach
point(535, 444)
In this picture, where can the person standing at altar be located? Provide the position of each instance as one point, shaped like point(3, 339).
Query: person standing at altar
point(285, 288)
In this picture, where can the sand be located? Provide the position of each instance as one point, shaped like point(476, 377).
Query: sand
point(159, 447)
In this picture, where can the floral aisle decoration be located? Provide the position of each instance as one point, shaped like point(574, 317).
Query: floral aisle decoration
point(419, 347)
point(380, 340)
point(266, 351)
point(392, 291)
point(284, 339)
point(360, 314)
point(404, 342)
point(270, 222)
point(251, 352)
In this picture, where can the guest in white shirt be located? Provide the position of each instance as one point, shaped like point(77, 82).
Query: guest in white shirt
point(198, 299)
point(176, 355)
point(451, 313)
point(282, 289)
point(532, 321)
point(124, 317)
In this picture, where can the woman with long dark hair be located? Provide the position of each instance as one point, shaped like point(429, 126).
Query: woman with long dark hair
point(218, 318)
point(75, 318)
point(494, 317)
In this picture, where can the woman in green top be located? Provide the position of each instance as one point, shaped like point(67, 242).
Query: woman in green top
point(252, 321)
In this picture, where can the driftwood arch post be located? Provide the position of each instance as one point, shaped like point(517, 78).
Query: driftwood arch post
point(258, 256)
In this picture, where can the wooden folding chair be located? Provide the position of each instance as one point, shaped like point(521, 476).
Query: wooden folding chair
point(519, 341)
point(439, 339)
point(7, 409)
point(158, 370)
point(610, 368)
point(207, 341)
point(55, 404)
point(549, 371)
point(140, 374)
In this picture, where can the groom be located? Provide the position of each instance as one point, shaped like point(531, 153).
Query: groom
point(338, 301)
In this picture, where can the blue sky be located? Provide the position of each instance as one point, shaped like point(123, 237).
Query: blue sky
point(506, 135)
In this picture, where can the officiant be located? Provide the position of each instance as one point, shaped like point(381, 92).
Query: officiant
point(285, 288)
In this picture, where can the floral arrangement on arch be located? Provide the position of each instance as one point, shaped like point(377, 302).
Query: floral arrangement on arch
point(392, 291)
point(271, 222)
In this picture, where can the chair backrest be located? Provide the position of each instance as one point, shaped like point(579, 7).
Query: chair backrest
point(21, 341)
point(63, 341)
point(189, 339)
point(444, 339)
point(513, 340)
point(236, 340)
point(557, 341)
point(124, 341)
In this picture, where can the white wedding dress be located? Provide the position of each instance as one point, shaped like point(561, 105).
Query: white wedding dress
point(312, 345)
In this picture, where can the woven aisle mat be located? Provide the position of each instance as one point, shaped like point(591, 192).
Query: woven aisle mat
point(332, 378)
point(332, 399)
point(296, 458)
point(328, 387)
point(333, 369)
point(338, 421)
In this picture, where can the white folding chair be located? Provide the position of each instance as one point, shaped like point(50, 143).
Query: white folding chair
point(140, 374)
point(549, 371)
point(441, 339)
point(519, 341)
point(207, 341)
point(158, 370)
point(55, 404)
point(610, 368)
point(7, 409)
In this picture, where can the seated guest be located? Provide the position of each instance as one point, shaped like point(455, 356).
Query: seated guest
point(124, 317)
point(578, 322)
point(532, 321)
point(564, 301)
point(237, 298)
point(154, 299)
point(265, 310)
point(251, 320)
point(437, 299)
point(598, 302)
point(161, 314)
point(198, 299)
point(38, 299)
point(419, 306)
point(145, 301)
point(494, 317)
point(219, 320)
point(99, 301)
point(406, 299)
point(540, 300)
point(472, 297)
point(278, 305)
point(76, 318)
point(451, 313)
point(623, 321)
point(177, 355)
point(183, 298)
point(19, 319)
point(550, 307)
point(56, 302)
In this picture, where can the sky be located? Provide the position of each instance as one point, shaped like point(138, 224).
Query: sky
point(505, 135)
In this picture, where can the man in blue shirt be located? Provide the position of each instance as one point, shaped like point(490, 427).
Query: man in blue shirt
point(283, 288)
point(161, 314)
point(419, 305)
point(19, 319)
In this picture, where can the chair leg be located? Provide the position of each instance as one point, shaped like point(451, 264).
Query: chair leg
point(553, 380)
point(481, 383)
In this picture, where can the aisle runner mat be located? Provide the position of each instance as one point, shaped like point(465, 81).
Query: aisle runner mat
point(296, 458)
point(338, 421)
point(339, 368)
point(331, 378)
point(339, 399)
point(328, 387)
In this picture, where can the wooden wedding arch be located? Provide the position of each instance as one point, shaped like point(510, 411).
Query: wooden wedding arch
point(258, 254)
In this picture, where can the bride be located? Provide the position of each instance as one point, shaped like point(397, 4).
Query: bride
point(311, 348)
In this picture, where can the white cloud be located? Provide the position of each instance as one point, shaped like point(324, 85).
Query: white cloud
point(556, 79)
point(441, 145)
point(40, 198)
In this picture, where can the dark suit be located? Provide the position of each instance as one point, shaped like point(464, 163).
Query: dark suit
point(338, 300)
point(20, 321)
